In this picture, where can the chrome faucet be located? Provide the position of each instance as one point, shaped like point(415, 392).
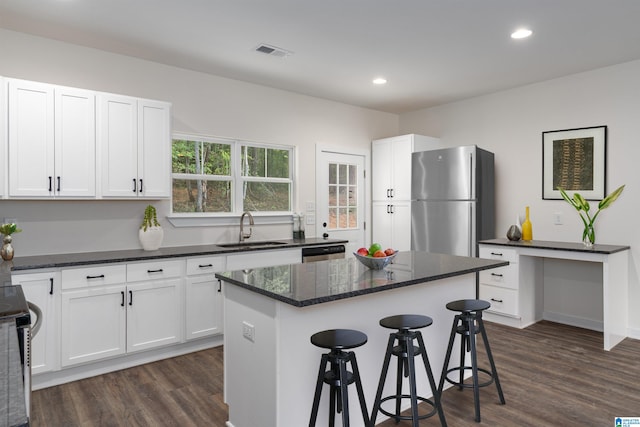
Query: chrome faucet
point(244, 235)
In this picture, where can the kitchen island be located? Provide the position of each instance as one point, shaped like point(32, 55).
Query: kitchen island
point(270, 314)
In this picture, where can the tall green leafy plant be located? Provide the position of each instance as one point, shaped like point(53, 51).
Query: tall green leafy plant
point(583, 208)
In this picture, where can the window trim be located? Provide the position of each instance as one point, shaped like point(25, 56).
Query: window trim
point(207, 219)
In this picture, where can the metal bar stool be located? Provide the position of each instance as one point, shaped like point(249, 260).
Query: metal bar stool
point(405, 351)
point(469, 323)
point(337, 377)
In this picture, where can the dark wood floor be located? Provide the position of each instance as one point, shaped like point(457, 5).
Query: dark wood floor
point(551, 374)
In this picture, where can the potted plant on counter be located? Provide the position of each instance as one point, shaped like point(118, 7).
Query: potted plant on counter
point(150, 233)
point(581, 205)
point(7, 249)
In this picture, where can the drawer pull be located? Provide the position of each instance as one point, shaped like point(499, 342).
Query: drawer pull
point(154, 271)
point(496, 300)
point(205, 265)
point(496, 253)
point(95, 277)
point(496, 274)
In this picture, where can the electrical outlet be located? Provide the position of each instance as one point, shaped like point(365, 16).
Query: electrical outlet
point(311, 219)
point(311, 206)
point(557, 218)
point(249, 331)
point(10, 221)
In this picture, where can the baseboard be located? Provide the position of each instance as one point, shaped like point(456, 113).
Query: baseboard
point(74, 373)
point(633, 333)
point(580, 322)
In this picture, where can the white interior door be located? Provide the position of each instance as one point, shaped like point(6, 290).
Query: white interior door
point(340, 197)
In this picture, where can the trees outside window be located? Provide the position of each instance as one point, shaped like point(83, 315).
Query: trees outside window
point(214, 175)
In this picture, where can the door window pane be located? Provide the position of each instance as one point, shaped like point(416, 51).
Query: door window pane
point(343, 195)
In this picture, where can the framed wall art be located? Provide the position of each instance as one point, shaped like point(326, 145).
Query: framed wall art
point(575, 160)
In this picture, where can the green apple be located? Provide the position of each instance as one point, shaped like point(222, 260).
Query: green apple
point(374, 248)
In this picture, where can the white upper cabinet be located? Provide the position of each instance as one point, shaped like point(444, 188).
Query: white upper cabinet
point(30, 138)
point(3, 137)
point(51, 140)
point(135, 142)
point(391, 165)
point(75, 142)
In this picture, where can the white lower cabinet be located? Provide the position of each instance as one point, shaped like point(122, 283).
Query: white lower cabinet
point(117, 309)
point(203, 297)
point(43, 289)
point(93, 324)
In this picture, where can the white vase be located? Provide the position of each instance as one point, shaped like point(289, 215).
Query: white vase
point(151, 239)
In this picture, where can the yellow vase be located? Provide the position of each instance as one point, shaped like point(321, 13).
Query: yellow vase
point(527, 232)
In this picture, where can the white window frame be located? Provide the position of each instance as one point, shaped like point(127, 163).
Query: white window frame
point(191, 219)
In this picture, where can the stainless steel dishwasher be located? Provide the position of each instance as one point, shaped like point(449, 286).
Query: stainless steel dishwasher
point(321, 253)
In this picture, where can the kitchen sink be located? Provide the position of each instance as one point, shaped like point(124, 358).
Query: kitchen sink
point(251, 245)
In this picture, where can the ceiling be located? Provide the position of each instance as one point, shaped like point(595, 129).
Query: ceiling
point(430, 51)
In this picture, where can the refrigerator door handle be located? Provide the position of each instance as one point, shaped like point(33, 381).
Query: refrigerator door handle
point(471, 195)
point(471, 237)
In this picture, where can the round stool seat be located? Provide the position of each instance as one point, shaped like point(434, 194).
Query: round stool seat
point(468, 305)
point(405, 322)
point(339, 339)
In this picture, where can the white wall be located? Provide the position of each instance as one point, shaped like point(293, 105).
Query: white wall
point(202, 104)
point(510, 123)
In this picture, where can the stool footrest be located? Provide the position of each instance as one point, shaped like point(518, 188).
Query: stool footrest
point(469, 385)
point(398, 417)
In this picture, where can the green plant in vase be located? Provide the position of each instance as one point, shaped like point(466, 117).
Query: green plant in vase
point(583, 208)
point(150, 232)
point(7, 230)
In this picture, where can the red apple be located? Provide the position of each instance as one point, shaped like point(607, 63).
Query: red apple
point(389, 251)
point(379, 254)
point(363, 251)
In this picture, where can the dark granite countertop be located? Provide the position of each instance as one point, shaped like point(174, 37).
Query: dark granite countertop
point(106, 257)
point(317, 282)
point(557, 246)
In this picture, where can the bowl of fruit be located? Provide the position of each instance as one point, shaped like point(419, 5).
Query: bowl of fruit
point(375, 257)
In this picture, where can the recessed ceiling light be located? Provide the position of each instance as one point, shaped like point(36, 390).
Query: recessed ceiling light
point(521, 33)
point(379, 81)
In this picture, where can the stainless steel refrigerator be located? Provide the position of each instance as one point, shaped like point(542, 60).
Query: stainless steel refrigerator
point(452, 200)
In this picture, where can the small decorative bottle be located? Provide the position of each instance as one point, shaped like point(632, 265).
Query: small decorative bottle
point(527, 232)
point(301, 233)
point(296, 226)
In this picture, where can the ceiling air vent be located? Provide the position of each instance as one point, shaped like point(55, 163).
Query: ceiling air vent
point(278, 52)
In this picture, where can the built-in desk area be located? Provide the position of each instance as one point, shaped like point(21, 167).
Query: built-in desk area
point(516, 291)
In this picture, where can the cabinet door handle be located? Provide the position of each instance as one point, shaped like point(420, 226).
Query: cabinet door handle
point(496, 253)
point(140, 190)
point(496, 274)
point(155, 271)
point(122, 294)
point(58, 179)
point(95, 277)
point(496, 300)
point(135, 189)
point(205, 265)
point(388, 193)
point(219, 285)
point(391, 190)
point(51, 286)
point(130, 297)
point(391, 211)
point(50, 184)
